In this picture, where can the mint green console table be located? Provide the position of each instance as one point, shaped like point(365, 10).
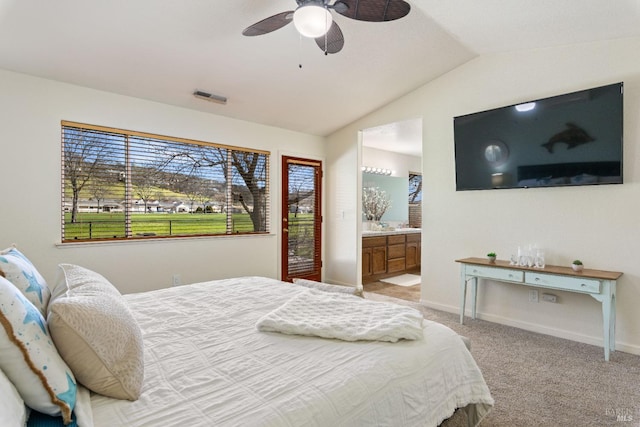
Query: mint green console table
point(600, 284)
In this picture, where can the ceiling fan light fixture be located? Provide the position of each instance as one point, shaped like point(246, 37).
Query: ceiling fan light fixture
point(312, 19)
point(526, 107)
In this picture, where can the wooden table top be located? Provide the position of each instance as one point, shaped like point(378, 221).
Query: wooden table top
point(552, 269)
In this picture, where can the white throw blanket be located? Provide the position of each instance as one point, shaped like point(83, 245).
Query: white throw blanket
point(345, 317)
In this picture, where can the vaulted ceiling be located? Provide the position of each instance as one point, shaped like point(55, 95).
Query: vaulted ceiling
point(163, 50)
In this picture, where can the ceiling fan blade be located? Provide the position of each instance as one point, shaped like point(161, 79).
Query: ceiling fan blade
point(374, 10)
point(339, 7)
point(269, 24)
point(334, 40)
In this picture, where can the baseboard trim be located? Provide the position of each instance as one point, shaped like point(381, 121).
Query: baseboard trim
point(534, 327)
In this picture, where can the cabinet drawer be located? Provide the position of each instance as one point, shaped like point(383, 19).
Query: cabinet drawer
point(414, 237)
point(369, 242)
point(576, 284)
point(394, 265)
point(495, 273)
point(396, 239)
point(396, 251)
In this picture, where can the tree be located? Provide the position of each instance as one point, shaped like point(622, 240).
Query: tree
point(98, 189)
point(85, 154)
point(252, 167)
point(415, 188)
point(143, 182)
point(301, 185)
point(210, 164)
point(197, 189)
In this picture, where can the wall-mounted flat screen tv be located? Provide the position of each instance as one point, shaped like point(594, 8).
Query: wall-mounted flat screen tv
point(565, 140)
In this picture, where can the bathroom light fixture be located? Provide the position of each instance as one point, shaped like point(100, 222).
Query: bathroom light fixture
point(210, 97)
point(312, 19)
point(377, 171)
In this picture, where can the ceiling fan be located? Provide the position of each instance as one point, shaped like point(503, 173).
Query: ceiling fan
point(312, 18)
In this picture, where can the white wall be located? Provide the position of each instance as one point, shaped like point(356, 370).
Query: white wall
point(343, 209)
point(32, 109)
point(598, 224)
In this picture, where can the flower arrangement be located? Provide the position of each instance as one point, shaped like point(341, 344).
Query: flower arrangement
point(375, 203)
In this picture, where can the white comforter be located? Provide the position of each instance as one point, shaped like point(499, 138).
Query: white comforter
point(345, 317)
point(207, 365)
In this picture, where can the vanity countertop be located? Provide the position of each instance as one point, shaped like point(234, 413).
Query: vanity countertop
point(369, 233)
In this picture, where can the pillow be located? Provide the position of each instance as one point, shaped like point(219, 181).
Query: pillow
point(351, 290)
point(12, 409)
point(30, 359)
point(96, 333)
point(22, 273)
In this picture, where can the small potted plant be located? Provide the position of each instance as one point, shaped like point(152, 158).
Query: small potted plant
point(491, 256)
point(577, 265)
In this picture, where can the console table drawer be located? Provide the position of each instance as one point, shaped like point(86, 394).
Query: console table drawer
point(495, 273)
point(576, 284)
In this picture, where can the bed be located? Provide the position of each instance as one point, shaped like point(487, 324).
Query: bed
point(206, 363)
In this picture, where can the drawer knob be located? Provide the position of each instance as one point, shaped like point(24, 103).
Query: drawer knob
point(584, 285)
point(537, 279)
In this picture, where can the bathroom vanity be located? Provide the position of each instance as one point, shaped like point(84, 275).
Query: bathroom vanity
point(390, 253)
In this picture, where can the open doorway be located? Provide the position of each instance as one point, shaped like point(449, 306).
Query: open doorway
point(392, 209)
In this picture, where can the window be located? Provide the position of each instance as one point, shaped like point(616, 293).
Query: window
point(120, 184)
point(415, 187)
point(415, 200)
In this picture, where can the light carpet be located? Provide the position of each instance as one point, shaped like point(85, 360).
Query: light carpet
point(403, 280)
point(539, 380)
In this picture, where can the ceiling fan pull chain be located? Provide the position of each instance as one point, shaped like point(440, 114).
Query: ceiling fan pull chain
point(300, 49)
point(325, 37)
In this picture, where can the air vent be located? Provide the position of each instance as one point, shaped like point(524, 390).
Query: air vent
point(210, 97)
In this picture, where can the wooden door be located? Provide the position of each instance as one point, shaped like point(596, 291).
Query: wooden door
point(301, 221)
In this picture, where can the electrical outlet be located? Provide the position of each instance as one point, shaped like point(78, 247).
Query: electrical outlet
point(549, 298)
point(533, 295)
point(175, 280)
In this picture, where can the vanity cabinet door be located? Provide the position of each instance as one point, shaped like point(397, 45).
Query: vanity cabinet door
point(367, 262)
point(379, 259)
point(413, 256)
point(374, 255)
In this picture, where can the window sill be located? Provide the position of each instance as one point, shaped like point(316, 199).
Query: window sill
point(151, 240)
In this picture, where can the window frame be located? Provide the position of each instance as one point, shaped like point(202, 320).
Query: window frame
point(255, 184)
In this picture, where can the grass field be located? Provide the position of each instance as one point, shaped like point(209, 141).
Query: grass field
point(112, 225)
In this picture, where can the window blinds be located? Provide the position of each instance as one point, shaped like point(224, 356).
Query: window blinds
point(120, 184)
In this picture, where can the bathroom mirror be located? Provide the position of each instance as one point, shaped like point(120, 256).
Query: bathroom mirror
point(397, 190)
